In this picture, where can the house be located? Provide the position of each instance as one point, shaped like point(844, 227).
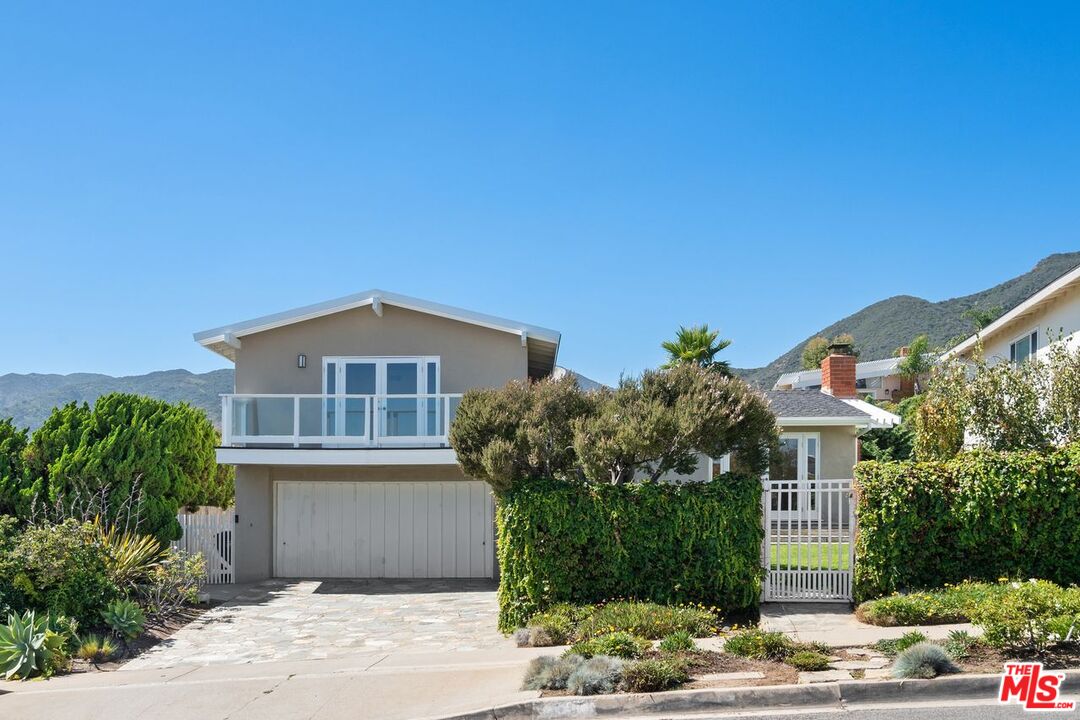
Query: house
point(877, 379)
point(338, 431)
point(1050, 315)
point(820, 427)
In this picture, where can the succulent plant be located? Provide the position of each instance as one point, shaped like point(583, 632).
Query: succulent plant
point(30, 646)
point(125, 618)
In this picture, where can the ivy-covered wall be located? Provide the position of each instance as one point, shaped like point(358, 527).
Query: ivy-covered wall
point(981, 515)
point(566, 542)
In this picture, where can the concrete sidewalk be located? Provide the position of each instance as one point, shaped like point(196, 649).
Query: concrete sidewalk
point(393, 686)
point(835, 624)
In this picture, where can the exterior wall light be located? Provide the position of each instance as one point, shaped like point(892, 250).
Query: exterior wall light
point(301, 360)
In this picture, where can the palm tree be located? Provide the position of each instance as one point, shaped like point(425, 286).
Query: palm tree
point(698, 345)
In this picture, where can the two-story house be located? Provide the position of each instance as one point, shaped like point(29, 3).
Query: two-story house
point(338, 431)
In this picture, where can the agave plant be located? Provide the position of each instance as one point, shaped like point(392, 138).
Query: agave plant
point(125, 618)
point(29, 646)
point(130, 555)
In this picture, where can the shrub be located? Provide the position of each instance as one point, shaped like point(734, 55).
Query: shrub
point(759, 645)
point(125, 618)
point(550, 673)
point(96, 648)
point(653, 675)
point(923, 660)
point(647, 619)
point(981, 515)
point(551, 627)
point(678, 641)
point(894, 646)
point(171, 583)
point(598, 675)
point(564, 542)
point(960, 643)
point(32, 644)
point(952, 604)
point(1032, 615)
point(808, 660)
point(617, 644)
point(60, 568)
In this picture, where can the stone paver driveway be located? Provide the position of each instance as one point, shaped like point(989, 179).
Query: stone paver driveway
point(311, 619)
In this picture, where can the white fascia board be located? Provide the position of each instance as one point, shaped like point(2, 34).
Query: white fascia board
point(880, 417)
point(369, 297)
point(1017, 312)
point(301, 457)
point(838, 420)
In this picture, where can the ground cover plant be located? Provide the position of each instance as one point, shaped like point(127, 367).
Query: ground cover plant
point(565, 624)
point(950, 604)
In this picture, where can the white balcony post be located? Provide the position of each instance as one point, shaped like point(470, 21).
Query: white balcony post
point(226, 420)
point(296, 421)
point(445, 400)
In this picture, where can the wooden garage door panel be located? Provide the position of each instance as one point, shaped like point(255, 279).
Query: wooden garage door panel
point(383, 529)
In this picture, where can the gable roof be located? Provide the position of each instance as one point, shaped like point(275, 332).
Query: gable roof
point(804, 406)
point(542, 343)
point(1067, 282)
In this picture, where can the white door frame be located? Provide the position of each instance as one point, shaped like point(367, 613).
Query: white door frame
point(807, 506)
point(380, 362)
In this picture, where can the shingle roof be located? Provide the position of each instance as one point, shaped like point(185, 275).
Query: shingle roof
point(810, 403)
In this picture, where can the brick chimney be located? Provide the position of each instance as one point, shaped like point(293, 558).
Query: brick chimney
point(838, 372)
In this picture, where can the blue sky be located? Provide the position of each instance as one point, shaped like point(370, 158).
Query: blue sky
point(609, 170)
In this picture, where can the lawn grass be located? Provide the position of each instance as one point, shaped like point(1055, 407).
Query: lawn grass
point(813, 556)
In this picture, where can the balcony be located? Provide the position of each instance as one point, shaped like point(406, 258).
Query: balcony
point(337, 421)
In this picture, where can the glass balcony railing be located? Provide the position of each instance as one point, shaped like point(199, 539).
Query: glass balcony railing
point(338, 420)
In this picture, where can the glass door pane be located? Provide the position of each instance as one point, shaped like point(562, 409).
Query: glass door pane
point(359, 380)
point(785, 466)
point(400, 417)
point(330, 388)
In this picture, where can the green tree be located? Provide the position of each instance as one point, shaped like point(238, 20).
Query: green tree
point(126, 448)
point(817, 349)
point(981, 317)
point(647, 426)
point(660, 422)
point(918, 362)
point(12, 466)
point(697, 345)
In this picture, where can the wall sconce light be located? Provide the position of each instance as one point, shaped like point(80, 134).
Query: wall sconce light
point(301, 360)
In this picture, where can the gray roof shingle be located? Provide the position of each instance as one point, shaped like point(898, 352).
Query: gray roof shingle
point(809, 403)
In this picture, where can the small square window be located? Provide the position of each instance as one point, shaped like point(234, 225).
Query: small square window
point(1024, 348)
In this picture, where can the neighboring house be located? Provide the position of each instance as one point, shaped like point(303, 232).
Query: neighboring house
point(338, 431)
point(1050, 315)
point(878, 379)
point(820, 427)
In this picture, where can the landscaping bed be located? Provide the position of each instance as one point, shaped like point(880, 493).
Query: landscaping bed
point(627, 646)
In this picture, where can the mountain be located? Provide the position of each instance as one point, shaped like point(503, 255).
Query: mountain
point(30, 398)
point(886, 325)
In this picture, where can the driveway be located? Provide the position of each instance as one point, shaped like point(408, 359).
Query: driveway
point(278, 620)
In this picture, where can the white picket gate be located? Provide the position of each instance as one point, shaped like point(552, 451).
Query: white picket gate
point(209, 531)
point(809, 550)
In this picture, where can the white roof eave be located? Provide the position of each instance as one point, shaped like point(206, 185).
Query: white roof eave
point(226, 337)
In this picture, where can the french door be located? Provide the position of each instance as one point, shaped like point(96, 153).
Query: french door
point(382, 398)
point(795, 468)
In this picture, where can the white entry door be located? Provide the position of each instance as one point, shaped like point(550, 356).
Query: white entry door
point(383, 529)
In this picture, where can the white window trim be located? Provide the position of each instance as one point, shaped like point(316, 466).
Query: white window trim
point(1031, 351)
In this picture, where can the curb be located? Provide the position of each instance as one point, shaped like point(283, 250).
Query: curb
point(765, 697)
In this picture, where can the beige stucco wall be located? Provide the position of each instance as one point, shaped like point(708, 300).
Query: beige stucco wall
point(254, 540)
point(471, 356)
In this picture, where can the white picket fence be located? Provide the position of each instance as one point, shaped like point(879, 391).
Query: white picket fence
point(209, 530)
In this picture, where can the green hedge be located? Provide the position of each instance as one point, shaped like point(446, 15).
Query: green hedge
point(981, 515)
point(565, 542)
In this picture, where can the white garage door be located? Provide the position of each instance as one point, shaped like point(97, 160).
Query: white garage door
point(383, 529)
